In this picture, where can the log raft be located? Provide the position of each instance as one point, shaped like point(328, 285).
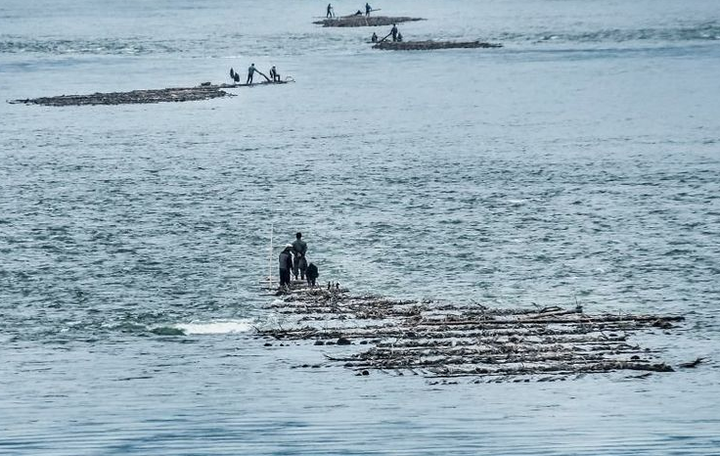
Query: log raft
point(205, 91)
point(363, 21)
point(431, 45)
point(445, 341)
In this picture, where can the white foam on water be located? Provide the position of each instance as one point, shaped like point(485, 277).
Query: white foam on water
point(217, 327)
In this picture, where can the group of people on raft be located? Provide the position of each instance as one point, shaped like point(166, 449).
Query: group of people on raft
point(274, 75)
point(293, 259)
point(396, 36)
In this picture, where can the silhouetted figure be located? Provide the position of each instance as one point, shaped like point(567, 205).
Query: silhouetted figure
point(299, 248)
point(232, 74)
point(374, 37)
point(394, 32)
point(251, 72)
point(312, 274)
point(274, 74)
point(399, 37)
point(285, 265)
point(368, 8)
point(329, 11)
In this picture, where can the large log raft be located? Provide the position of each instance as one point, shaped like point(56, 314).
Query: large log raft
point(444, 340)
point(363, 21)
point(204, 91)
point(430, 45)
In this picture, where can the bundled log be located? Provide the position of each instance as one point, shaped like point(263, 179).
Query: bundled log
point(431, 45)
point(365, 21)
point(205, 91)
point(444, 340)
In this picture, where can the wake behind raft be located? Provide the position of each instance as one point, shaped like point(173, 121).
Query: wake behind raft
point(204, 91)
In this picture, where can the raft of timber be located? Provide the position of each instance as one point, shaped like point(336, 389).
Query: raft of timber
point(441, 340)
point(363, 21)
point(201, 92)
point(430, 45)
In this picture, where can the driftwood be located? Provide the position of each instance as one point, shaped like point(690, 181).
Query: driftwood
point(443, 340)
point(363, 21)
point(204, 91)
point(430, 45)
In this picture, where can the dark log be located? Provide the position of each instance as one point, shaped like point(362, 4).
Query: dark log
point(432, 45)
point(362, 21)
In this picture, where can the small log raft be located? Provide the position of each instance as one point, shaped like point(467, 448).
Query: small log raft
point(363, 21)
point(443, 340)
point(431, 45)
point(205, 91)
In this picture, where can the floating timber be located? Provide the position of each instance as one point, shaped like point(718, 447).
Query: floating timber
point(205, 91)
point(446, 341)
point(430, 45)
point(363, 21)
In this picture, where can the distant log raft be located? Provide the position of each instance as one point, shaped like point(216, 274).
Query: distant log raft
point(430, 45)
point(205, 91)
point(365, 21)
point(441, 340)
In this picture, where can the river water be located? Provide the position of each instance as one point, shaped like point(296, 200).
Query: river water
point(578, 163)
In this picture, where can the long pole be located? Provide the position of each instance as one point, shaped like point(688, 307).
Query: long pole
point(386, 36)
point(263, 75)
point(270, 278)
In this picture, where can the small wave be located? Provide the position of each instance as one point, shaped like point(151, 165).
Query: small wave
point(82, 46)
point(709, 31)
point(217, 327)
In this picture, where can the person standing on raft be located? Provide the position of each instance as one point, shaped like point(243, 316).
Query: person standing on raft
point(274, 74)
point(394, 32)
point(368, 8)
point(329, 11)
point(299, 248)
point(251, 72)
point(285, 265)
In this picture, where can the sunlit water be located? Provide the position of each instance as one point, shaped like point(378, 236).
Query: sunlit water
point(579, 162)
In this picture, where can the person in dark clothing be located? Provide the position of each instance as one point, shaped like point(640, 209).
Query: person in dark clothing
point(312, 275)
point(394, 32)
point(251, 72)
point(374, 37)
point(274, 74)
point(299, 248)
point(399, 37)
point(329, 10)
point(285, 265)
point(368, 8)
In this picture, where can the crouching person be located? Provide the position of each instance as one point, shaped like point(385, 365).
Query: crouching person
point(312, 275)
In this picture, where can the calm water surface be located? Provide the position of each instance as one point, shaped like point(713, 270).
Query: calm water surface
point(578, 162)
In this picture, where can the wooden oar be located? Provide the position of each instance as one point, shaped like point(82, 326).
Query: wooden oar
point(263, 75)
point(386, 37)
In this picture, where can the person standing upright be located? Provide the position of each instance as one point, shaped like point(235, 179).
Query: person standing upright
point(299, 248)
point(251, 72)
point(394, 32)
point(368, 8)
point(329, 11)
